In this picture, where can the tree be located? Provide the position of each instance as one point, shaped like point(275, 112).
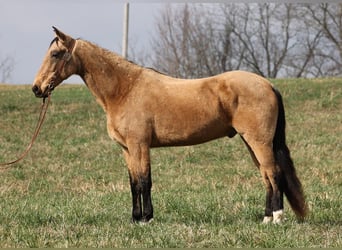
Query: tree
point(328, 19)
point(265, 35)
point(277, 38)
point(273, 40)
point(188, 45)
point(6, 68)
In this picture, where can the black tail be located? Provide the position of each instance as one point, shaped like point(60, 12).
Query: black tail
point(290, 184)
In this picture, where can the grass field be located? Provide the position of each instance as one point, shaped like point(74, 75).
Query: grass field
point(72, 190)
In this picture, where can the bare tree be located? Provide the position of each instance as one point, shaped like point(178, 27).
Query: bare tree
point(328, 19)
point(6, 68)
point(196, 41)
point(188, 45)
point(273, 40)
point(173, 51)
point(268, 34)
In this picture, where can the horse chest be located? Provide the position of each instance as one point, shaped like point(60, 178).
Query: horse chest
point(114, 132)
point(115, 135)
point(122, 127)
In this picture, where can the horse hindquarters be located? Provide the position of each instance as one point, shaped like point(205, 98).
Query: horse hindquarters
point(272, 156)
point(255, 119)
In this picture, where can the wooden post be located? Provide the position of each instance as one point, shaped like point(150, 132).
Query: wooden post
point(125, 31)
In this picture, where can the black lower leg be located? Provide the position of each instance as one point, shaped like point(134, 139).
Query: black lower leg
point(281, 186)
point(268, 207)
point(136, 201)
point(278, 197)
point(146, 184)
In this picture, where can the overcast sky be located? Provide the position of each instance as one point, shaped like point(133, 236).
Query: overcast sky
point(25, 28)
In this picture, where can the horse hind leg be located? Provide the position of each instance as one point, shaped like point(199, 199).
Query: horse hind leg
point(263, 157)
point(255, 160)
point(268, 217)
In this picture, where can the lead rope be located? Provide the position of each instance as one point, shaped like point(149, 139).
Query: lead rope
point(41, 118)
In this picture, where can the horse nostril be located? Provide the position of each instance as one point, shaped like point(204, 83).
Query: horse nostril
point(35, 89)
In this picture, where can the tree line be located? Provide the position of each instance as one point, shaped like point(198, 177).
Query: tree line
point(272, 40)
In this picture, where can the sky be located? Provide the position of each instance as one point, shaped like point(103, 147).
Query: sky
point(26, 28)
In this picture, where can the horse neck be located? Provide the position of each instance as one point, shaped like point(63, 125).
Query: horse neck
point(108, 76)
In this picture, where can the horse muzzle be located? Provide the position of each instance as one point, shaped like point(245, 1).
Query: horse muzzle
point(38, 92)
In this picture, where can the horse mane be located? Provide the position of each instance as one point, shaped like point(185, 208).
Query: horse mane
point(109, 52)
point(148, 68)
point(157, 71)
point(112, 53)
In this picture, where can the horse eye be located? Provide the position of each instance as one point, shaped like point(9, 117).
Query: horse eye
point(54, 54)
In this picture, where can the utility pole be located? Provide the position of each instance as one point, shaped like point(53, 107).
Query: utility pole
point(125, 31)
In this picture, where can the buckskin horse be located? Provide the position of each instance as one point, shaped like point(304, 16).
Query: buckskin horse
point(147, 109)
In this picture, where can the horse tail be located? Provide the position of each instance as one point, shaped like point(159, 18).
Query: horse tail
point(290, 184)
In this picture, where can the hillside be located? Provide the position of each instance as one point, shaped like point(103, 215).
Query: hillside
point(72, 190)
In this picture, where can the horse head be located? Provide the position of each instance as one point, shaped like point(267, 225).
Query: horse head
point(58, 64)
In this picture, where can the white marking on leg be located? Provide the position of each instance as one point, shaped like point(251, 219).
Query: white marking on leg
point(267, 219)
point(143, 223)
point(278, 216)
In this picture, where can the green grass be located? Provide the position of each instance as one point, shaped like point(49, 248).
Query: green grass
point(72, 190)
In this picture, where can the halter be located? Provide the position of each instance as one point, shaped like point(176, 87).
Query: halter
point(60, 65)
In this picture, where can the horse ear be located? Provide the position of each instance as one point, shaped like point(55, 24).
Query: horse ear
point(65, 39)
point(59, 34)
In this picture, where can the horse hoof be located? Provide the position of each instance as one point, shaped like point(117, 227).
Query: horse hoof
point(278, 217)
point(145, 222)
point(267, 219)
point(141, 221)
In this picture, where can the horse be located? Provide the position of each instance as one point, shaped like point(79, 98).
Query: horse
point(147, 109)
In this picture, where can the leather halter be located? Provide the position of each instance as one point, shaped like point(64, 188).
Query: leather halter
point(60, 65)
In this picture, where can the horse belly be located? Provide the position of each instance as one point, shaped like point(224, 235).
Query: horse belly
point(187, 132)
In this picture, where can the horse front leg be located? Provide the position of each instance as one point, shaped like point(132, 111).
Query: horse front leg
point(138, 161)
point(147, 213)
point(136, 198)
